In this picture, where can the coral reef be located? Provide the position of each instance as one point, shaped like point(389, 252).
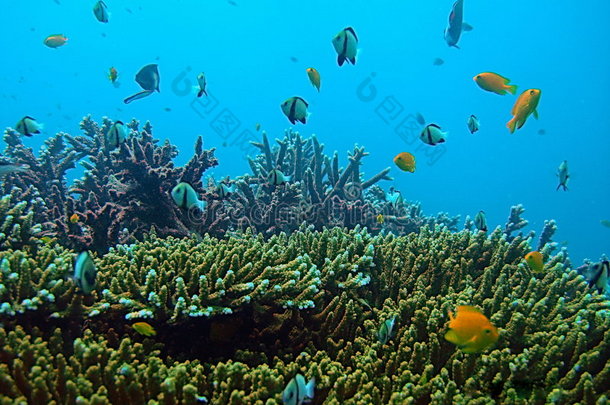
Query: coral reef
point(319, 193)
point(316, 300)
point(122, 192)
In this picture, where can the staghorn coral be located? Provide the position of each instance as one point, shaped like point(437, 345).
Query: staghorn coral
point(554, 344)
point(18, 228)
point(122, 193)
point(320, 192)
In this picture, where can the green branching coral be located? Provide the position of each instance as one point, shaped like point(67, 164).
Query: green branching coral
point(334, 288)
point(18, 226)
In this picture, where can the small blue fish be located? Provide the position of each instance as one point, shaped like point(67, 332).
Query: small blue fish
point(297, 392)
point(116, 134)
point(386, 330)
point(276, 177)
point(186, 198)
point(223, 189)
point(480, 221)
point(85, 272)
point(101, 11)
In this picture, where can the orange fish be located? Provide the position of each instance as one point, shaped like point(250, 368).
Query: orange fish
point(55, 41)
point(405, 162)
point(495, 83)
point(470, 330)
point(113, 74)
point(524, 106)
point(314, 77)
point(74, 218)
point(535, 261)
point(144, 328)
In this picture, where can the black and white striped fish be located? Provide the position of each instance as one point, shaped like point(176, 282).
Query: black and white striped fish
point(432, 135)
point(295, 108)
point(346, 45)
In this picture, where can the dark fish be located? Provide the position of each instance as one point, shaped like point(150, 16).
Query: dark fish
point(148, 77)
point(138, 96)
point(346, 46)
point(438, 62)
point(454, 28)
point(541, 132)
point(420, 119)
point(167, 109)
point(564, 175)
point(294, 59)
point(85, 272)
point(101, 11)
point(480, 221)
point(295, 108)
point(231, 2)
point(596, 275)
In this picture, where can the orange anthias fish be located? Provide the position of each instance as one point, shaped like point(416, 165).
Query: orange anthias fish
point(55, 41)
point(144, 328)
point(113, 74)
point(535, 261)
point(470, 330)
point(74, 218)
point(495, 83)
point(314, 77)
point(524, 106)
point(405, 162)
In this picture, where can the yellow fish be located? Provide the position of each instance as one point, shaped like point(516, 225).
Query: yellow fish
point(380, 219)
point(470, 330)
point(405, 162)
point(535, 261)
point(144, 328)
point(524, 106)
point(74, 218)
point(55, 41)
point(314, 77)
point(605, 223)
point(495, 83)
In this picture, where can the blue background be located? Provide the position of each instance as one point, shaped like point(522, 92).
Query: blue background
point(247, 52)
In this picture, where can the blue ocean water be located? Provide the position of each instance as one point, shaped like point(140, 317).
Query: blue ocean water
point(255, 54)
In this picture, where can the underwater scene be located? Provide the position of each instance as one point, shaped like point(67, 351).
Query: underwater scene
point(277, 202)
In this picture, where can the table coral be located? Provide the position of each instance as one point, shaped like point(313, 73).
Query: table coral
point(317, 314)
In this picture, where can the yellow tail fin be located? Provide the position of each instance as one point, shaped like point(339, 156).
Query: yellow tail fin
point(512, 89)
point(511, 125)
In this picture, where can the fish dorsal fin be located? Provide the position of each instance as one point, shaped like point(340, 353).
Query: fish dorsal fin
point(468, 308)
point(350, 29)
point(434, 126)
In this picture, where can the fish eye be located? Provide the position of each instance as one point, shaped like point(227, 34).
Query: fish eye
point(487, 331)
point(532, 92)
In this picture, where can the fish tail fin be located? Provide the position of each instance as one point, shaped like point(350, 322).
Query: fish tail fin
point(340, 60)
point(201, 93)
point(352, 60)
point(310, 387)
point(512, 89)
point(511, 125)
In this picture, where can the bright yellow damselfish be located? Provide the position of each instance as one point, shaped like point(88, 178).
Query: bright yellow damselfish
point(535, 261)
point(470, 330)
point(494, 83)
point(524, 106)
point(74, 218)
point(380, 219)
point(405, 162)
point(314, 77)
point(144, 328)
